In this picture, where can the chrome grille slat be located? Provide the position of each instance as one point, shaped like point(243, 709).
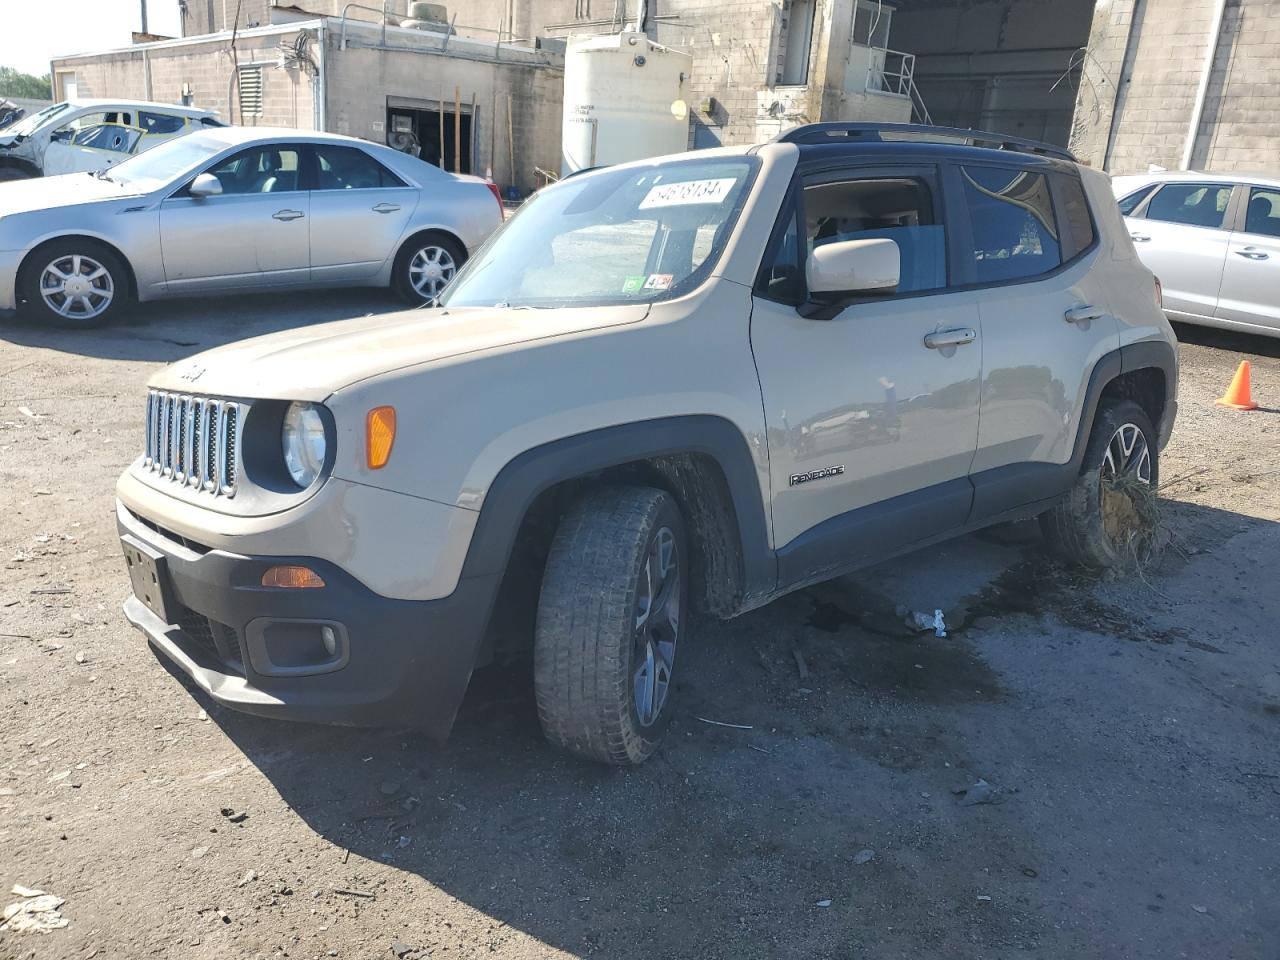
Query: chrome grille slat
point(193, 441)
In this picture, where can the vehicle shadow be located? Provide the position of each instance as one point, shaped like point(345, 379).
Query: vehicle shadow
point(167, 330)
point(724, 842)
point(1233, 340)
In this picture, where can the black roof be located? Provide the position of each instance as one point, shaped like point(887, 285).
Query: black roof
point(841, 133)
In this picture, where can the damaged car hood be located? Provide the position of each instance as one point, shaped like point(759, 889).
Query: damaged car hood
point(313, 362)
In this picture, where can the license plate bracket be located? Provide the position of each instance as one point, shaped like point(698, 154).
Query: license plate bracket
point(149, 575)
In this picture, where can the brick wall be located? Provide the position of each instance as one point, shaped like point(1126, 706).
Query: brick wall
point(1138, 88)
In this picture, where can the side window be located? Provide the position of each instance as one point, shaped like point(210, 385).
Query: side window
point(1195, 204)
point(160, 124)
point(897, 209)
point(781, 275)
point(1129, 202)
point(71, 131)
point(260, 170)
point(347, 168)
point(1263, 213)
point(1079, 225)
point(109, 136)
point(1015, 235)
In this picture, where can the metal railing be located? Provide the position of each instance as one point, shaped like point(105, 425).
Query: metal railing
point(894, 72)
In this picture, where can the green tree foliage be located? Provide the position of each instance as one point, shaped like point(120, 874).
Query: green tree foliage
point(16, 84)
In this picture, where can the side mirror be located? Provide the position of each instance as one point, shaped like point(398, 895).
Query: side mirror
point(205, 185)
point(854, 266)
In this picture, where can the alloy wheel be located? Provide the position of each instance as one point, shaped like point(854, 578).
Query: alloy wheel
point(657, 627)
point(1126, 483)
point(77, 286)
point(430, 271)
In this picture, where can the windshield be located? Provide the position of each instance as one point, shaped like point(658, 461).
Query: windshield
point(28, 124)
point(161, 164)
point(636, 234)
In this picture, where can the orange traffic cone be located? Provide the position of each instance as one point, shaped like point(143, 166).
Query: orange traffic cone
point(1239, 395)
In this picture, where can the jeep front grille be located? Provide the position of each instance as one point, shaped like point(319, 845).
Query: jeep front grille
point(193, 441)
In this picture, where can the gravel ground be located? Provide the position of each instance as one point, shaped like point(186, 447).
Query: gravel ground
point(1126, 728)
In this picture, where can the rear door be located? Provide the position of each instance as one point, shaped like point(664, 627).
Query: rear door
point(253, 234)
point(871, 431)
point(359, 211)
point(1046, 322)
point(1251, 277)
point(1181, 232)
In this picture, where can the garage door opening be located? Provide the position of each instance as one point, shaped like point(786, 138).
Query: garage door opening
point(440, 137)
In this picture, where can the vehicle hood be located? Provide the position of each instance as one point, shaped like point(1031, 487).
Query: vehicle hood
point(44, 193)
point(8, 139)
point(313, 362)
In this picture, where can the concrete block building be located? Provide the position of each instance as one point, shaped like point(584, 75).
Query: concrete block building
point(1181, 84)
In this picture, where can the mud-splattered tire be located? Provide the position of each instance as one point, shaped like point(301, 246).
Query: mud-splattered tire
point(1106, 522)
point(608, 624)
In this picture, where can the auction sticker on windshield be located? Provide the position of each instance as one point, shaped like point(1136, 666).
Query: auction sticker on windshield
point(688, 192)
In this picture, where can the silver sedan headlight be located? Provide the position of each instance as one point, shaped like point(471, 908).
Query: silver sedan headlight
point(303, 442)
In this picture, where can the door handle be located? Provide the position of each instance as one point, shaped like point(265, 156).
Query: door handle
point(287, 215)
point(1138, 238)
point(386, 207)
point(1082, 314)
point(950, 338)
point(1252, 253)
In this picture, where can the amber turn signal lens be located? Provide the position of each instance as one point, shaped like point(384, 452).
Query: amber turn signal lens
point(293, 578)
point(380, 434)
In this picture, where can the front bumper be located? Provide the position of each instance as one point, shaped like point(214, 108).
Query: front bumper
point(10, 260)
point(403, 662)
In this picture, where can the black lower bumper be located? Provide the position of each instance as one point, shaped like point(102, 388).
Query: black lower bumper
point(401, 662)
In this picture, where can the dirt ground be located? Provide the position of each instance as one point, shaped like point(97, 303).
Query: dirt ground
point(1127, 728)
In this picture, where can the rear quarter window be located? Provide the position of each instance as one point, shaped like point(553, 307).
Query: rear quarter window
point(1015, 233)
point(1078, 225)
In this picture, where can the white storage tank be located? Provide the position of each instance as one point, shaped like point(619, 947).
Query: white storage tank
point(623, 100)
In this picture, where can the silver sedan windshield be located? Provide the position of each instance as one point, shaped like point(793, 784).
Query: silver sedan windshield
point(634, 234)
point(169, 160)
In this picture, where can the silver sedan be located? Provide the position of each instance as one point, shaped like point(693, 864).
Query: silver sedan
point(1214, 242)
point(233, 210)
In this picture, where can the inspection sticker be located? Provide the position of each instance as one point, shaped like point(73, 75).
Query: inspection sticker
point(633, 284)
point(688, 192)
point(659, 281)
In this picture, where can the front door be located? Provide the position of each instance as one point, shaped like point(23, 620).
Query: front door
point(1046, 321)
point(1181, 234)
point(872, 421)
point(359, 211)
point(91, 142)
point(254, 234)
point(1251, 278)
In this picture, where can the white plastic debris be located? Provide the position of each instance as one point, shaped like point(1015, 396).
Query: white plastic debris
point(36, 912)
point(939, 627)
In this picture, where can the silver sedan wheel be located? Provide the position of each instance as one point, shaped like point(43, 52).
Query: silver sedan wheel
point(657, 627)
point(430, 271)
point(77, 286)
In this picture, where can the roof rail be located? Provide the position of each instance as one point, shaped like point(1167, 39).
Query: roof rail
point(832, 132)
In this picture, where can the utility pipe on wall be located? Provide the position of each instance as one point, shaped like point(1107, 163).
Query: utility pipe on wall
point(1202, 91)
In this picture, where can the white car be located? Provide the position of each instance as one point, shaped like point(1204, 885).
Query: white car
point(82, 136)
point(1214, 242)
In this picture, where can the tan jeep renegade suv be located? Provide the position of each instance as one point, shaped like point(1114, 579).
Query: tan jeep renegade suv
point(698, 381)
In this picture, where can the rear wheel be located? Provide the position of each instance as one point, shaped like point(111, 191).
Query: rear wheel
point(73, 283)
point(1109, 518)
point(425, 266)
point(609, 623)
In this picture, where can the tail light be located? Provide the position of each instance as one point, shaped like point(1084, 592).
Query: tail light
point(497, 195)
point(1159, 294)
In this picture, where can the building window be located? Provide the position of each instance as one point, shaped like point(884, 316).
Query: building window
point(795, 39)
point(250, 92)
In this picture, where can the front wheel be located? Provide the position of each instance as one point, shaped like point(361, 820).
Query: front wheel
point(609, 623)
point(425, 266)
point(1109, 517)
point(73, 283)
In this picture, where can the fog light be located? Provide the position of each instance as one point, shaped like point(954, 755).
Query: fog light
point(293, 578)
point(330, 641)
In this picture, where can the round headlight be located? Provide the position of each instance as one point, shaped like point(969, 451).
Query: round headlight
point(302, 440)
